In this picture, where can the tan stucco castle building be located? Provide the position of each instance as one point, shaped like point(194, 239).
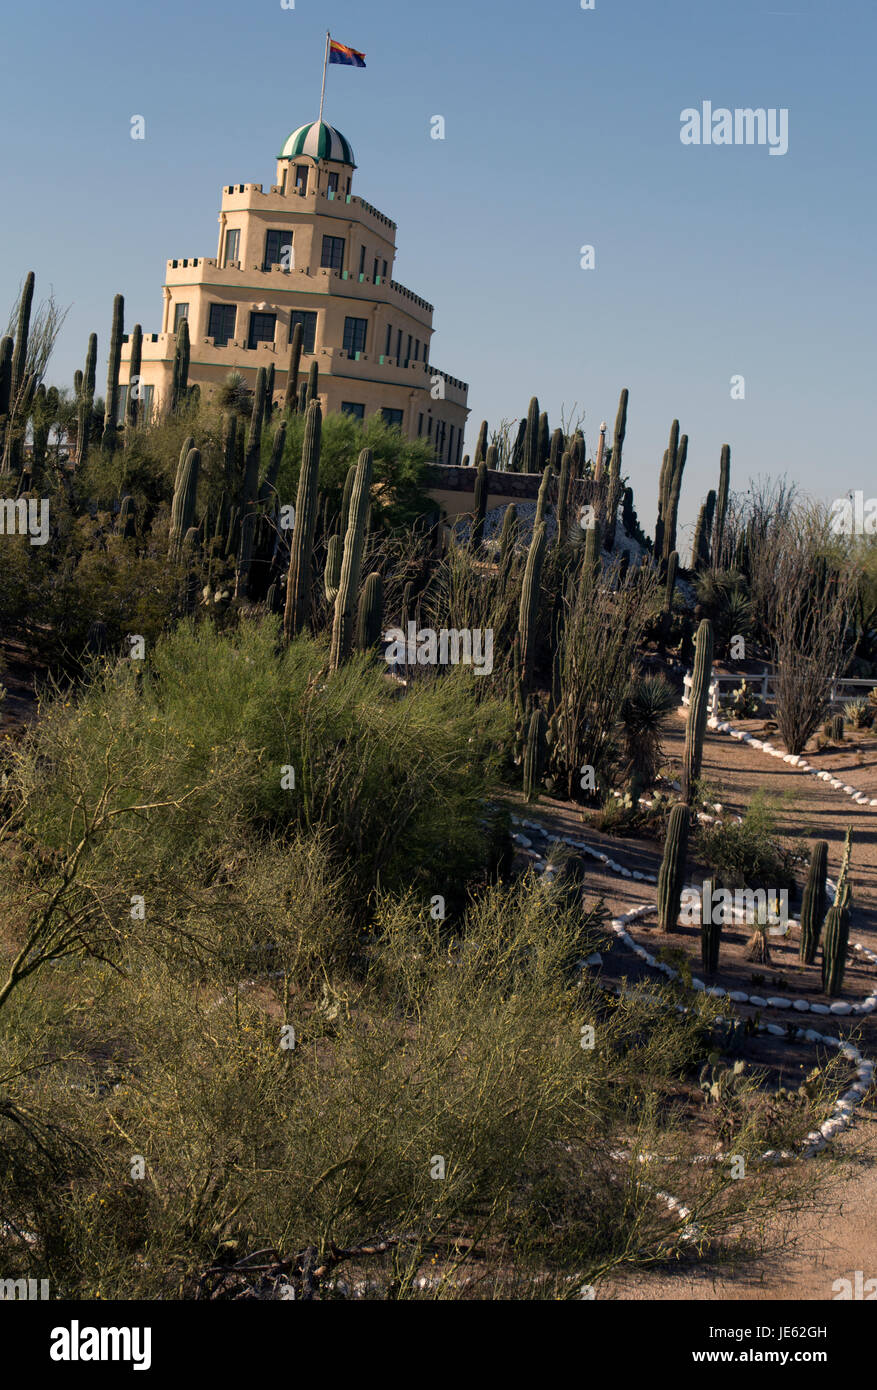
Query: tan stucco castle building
point(308, 251)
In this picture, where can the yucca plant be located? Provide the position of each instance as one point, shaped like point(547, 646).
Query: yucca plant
point(644, 713)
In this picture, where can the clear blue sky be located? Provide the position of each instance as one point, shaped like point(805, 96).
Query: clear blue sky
point(562, 129)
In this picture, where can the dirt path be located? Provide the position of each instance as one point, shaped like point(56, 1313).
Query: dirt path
point(832, 1243)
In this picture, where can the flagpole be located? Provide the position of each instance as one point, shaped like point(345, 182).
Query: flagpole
point(325, 65)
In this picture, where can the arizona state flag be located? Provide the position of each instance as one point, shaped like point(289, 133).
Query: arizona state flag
point(340, 53)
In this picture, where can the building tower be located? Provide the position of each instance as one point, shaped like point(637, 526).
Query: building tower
point(308, 251)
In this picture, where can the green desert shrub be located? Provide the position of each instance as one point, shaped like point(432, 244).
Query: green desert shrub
point(750, 854)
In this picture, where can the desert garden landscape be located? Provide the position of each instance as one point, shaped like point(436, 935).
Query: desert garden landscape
point(335, 963)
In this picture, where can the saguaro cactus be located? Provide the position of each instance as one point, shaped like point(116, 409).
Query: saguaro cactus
point(481, 445)
point(700, 543)
point(180, 387)
point(535, 754)
point(516, 463)
point(298, 584)
point(813, 903)
point(342, 627)
point(108, 439)
point(722, 503)
point(698, 708)
point(86, 401)
point(675, 488)
point(332, 572)
point(313, 382)
point(835, 940)
point(529, 607)
point(672, 874)
point(542, 499)
point(127, 517)
point(183, 505)
point(477, 535)
point(614, 496)
point(710, 931)
point(370, 616)
point(530, 460)
point(132, 402)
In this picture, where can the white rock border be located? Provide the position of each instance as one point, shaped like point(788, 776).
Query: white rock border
point(722, 726)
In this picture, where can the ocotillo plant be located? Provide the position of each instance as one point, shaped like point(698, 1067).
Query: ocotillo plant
point(298, 584)
point(370, 616)
point(180, 386)
point(108, 439)
point(480, 507)
point(698, 708)
point(614, 496)
point(722, 503)
point(529, 607)
point(183, 505)
point(672, 873)
point(86, 401)
point(290, 400)
point(535, 754)
point(530, 460)
point(835, 940)
point(342, 627)
point(710, 931)
point(133, 398)
point(813, 903)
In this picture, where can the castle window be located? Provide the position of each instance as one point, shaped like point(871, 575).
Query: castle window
point(408, 352)
point(420, 424)
point(354, 335)
point(333, 183)
point(308, 320)
point(351, 408)
point(375, 270)
point(384, 271)
point(232, 245)
point(399, 346)
point(278, 249)
point(261, 329)
point(362, 260)
point(181, 311)
point(220, 323)
point(301, 178)
point(389, 348)
point(333, 253)
point(393, 418)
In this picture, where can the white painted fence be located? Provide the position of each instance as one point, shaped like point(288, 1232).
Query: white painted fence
point(762, 686)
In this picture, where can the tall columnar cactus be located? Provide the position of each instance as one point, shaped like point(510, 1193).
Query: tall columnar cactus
point(699, 545)
point(813, 905)
point(266, 491)
point(370, 615)
point(127, 517)
point(563, 497)
point(710, 931)
point(480, 506)
point(675, 489)
point(672, 873)
point(555, 454)
point(180, 385)
point(298, 583)
point(670, 586)
point(22, 335)
point(508, 536)
point(253, 452)
point(183, 505)
point(658, 547)
point(530, 460)
point(346, 494)
point(290, 400)
point(698, 708)
point(710, 505)
point(601, 450)
point(245, 554)
point(360, 500)
point(492, 459)
point(86, 401)
point(843, 896)
point(332, 571)
point(516, 463)
point(544, 444)
point(592, 565)
point(722, 504)
point(269, 390)
point(535, 754)
point(5, 386)
point(614, 496)
point(132, 403)
point(313, 382)
point(835, 940)
point(480, 445)
point(542, 499)
point(111, 411)
point(529, 608)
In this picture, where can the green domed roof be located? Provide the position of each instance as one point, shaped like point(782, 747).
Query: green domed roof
point(320, 141)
